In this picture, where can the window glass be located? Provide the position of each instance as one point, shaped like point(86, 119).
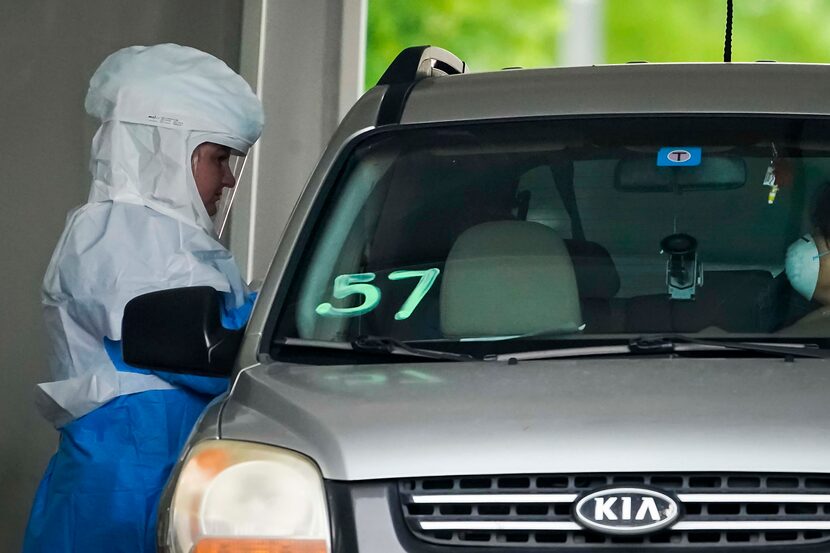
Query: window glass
point(569, 228)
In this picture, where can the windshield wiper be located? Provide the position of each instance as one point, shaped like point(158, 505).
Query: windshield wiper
point(668, 343)
point(645, 344)
point(383, 345)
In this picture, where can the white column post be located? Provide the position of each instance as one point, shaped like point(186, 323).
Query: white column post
point(305, 60)
point(352, 54)
point(583, 42)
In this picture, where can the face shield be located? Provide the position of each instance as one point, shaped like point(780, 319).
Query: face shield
point(217, 162)
point(236, 164)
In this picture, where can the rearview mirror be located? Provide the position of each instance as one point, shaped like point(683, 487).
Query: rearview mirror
point(179, 330)
point(713, 173)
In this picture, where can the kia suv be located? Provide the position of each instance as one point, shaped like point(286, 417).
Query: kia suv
point(528, 310)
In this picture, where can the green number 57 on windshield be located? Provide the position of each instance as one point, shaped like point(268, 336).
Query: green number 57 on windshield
point(358, 283)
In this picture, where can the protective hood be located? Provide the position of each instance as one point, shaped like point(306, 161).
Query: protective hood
point(144, 227)
point(156, 105)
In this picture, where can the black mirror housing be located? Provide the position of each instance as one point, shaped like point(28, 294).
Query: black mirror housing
point(179, 330)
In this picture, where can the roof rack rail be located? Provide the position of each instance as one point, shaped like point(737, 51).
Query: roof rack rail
point(419, 62)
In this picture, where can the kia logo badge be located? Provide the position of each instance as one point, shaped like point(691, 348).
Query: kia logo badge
point(626, 511)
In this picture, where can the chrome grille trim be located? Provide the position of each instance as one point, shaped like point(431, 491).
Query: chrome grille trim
point(497, 498)
point(570, 498)
point(495, 525)
point(734, 511)
point(499, 525)
point(753, 498)
point(753, 525)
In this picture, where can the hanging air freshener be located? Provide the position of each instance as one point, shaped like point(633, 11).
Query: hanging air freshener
point(769, 177)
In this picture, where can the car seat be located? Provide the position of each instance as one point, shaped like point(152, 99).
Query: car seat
point(598, 282)
point(508, 278)
point(734, 301)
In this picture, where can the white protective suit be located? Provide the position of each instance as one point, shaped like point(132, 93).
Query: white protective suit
point(144, 227)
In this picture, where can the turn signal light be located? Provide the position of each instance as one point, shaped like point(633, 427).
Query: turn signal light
point(258, 545)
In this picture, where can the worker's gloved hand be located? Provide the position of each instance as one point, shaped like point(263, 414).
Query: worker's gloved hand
point(234, 318)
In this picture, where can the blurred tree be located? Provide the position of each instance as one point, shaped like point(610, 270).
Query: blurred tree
point(680, 30)
point(782, 30)
point(693, 30)
point(491, 34)
point(487, 34)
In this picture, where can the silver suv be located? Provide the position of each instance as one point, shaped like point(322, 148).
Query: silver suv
point(528, 309)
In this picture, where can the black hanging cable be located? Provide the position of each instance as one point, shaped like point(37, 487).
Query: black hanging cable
point(727, 43)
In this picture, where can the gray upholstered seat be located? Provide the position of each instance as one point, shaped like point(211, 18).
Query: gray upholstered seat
point(508, 278)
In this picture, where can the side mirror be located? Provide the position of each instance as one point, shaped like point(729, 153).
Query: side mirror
point(179, 330)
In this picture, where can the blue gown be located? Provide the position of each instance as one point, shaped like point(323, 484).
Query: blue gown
point(101, 489)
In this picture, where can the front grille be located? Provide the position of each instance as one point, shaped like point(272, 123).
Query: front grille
point(723, 510)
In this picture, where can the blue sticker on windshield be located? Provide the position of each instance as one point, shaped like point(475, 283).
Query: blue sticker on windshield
point(679, 156)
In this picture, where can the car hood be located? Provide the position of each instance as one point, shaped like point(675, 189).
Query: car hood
point(557, 416)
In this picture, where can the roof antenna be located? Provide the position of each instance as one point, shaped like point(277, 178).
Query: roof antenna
point(727, 43)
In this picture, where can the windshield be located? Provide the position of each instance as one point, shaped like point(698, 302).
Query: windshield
point(571, 229)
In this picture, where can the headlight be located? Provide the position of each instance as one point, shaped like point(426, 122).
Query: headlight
point(248, 498)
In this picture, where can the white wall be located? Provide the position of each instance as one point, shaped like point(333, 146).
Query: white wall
point(50, 50)
point(307, 61)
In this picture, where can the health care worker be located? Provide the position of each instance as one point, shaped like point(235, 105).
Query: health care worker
point(170, 118)
point(807, 265)
point(808, 269)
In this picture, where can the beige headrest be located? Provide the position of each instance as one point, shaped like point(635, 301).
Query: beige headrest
point(509, 278)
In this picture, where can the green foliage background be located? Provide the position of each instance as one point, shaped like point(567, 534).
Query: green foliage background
point(492, 34)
